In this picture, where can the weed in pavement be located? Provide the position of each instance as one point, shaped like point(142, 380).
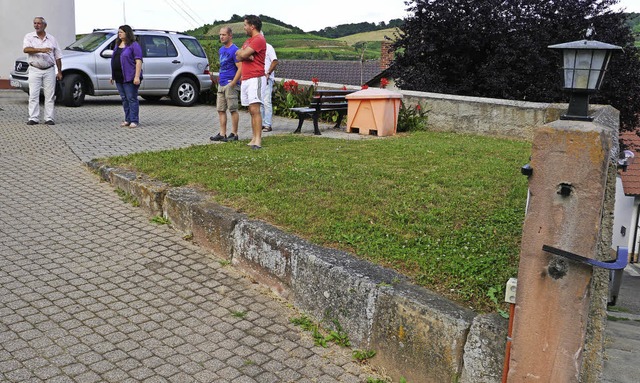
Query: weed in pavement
point(239, 314)
point(160, 220)
point(127, 198)
point(363, 355)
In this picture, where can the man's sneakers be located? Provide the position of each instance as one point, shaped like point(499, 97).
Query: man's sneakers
point(231, 137)
point(218, 137)
point(34, 122)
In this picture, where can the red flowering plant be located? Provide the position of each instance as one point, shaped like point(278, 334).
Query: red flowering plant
point(384, 82)
point(315, 81)
point(290, 94)
point(412, 118)
point(291, 86)
point(365, 86)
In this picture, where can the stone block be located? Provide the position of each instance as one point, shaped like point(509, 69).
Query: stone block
point(419, 335)
point(212, 226)
point(121, 179)
point(149, 193)
point(484, 351)
point(265, 252)
point(335, 285)
point(103, 170)
point(178, 207)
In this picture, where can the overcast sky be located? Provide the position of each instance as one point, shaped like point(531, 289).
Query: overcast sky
point(181, 15)
point(629, 5)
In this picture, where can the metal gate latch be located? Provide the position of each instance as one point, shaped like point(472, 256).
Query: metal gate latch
point(619, 263)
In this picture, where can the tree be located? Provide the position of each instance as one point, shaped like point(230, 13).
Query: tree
point(498, 48)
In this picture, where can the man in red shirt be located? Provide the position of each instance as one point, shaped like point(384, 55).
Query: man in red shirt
point(252, 55)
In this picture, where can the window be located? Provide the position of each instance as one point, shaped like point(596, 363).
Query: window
point(90, 42)
point(193, 46)
point(157, 46)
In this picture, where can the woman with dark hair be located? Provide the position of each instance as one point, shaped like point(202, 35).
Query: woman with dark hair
point(126, 72)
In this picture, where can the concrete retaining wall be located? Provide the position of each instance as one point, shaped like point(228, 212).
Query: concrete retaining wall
point(478, 115)
point(416, 333)
point(486, 116)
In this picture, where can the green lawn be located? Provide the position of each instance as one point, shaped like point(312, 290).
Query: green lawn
point(444, 209)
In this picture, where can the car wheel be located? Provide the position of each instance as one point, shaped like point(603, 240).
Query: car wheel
point(73, 91)
point(184, 92)
point(152, 98)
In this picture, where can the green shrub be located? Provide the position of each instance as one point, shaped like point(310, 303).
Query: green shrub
point(209, 96)
point(412, 118)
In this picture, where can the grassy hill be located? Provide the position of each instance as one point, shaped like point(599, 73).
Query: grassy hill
point(373, 36)
point(291, 45)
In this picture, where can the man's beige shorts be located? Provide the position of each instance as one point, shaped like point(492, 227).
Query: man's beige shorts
point(227, 98)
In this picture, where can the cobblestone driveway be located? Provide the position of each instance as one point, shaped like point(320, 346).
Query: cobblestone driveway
point(91, 291)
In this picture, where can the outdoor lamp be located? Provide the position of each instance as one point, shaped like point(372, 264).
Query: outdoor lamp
point(625, 159)
point(585, 63)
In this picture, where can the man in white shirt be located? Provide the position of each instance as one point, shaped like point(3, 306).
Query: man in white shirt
point(270, 64)
point(44, 55)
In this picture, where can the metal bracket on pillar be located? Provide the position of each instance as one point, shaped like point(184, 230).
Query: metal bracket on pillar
point(619, 263)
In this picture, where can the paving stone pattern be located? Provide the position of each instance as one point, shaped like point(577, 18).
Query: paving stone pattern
point(92, 291)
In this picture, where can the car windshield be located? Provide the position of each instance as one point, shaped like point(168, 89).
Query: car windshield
point(90, 42)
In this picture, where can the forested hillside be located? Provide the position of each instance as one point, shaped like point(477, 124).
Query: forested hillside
point(204, 30)
point(351, 29)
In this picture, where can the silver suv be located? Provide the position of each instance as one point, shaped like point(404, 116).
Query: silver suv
point(174, 65)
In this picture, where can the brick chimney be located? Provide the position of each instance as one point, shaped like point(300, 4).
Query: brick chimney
point(386, 54)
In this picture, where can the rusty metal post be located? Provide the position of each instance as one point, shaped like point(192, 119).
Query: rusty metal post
point(570, 161)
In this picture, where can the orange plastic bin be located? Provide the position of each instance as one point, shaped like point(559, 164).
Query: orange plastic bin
point(373, 111)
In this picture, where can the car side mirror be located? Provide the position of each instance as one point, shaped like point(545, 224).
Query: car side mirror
point(107, 53)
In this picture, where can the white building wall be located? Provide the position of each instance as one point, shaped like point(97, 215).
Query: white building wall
point(17, 21)
point(634, 232)
point(623, 218)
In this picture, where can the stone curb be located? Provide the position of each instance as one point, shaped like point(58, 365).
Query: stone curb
point(623, 316)
point(416, 333)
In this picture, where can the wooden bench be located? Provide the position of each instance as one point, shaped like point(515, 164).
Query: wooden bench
point(323, 101)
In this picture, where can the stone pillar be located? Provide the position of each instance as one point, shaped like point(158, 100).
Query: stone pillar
point(570, 161)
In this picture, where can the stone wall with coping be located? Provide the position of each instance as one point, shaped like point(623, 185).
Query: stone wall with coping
point(478, 115)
